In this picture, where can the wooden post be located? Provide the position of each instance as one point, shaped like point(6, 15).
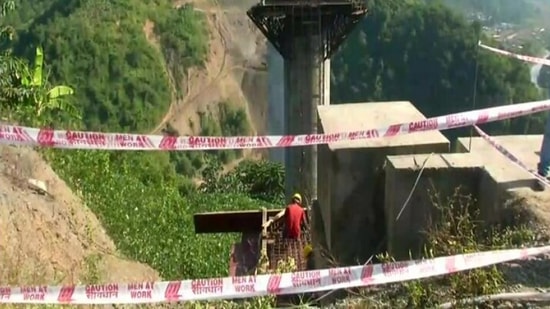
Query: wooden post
point(264, 229)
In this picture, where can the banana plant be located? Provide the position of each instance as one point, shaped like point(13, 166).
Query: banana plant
point(44, 99)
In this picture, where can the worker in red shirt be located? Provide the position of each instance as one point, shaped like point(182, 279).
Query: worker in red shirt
point(295, 218)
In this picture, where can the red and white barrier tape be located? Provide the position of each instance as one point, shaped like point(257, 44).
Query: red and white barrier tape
point(261, 285)
point(517, 56)
point(17, 135)
point(510, 156)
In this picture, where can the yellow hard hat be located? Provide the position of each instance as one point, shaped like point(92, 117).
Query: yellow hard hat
point(307, 250)
point(297, 196)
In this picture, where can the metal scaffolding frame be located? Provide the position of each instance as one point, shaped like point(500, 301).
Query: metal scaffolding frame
point(280, 20)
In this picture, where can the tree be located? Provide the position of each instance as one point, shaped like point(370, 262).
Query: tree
point(494, 11)
point(427, 54)
point(11, 68)
point(42, 100)
point(24, 90)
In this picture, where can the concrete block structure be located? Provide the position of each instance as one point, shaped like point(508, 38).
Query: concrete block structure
point(409, 198)
point(501, 174)
point(475, 166)
point(351, 181)
point(525, 147)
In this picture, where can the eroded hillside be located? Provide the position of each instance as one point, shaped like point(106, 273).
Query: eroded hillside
point(135, 66)
point(53, 237)
point(234, 71)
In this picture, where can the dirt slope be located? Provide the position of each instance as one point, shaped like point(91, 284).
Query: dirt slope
point(52, 238)
point(234, 71)
point(532, 206)
point(236, 57)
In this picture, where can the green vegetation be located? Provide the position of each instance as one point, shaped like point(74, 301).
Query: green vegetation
point(101, 49)
point(150, 219)
point(230, 121)
point(495, 11)
point(145, 200)
point(183, 38)
point(226, 120)
point(25, 93)
point(456, 229)
point(122, 81)
point(428, 54)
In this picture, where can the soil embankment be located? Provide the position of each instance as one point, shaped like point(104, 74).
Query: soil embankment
point(53, 238)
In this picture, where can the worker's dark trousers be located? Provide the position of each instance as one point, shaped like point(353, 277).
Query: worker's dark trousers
point(544, 162)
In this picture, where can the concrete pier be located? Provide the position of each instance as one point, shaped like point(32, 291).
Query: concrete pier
point(442, 174)
point(276, 120)
point(482, 171)
point(306, 88)
point(352, 180)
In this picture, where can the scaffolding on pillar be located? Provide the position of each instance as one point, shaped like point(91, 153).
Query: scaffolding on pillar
point(281, 20)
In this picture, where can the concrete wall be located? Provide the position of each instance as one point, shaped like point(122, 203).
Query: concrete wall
point(324, 185)
point(494, 194)
point(353, 188)
point(489, 184)
point(443, 173)
point(276, 100)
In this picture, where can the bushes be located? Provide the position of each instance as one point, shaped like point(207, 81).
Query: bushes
point(231, 121)
point(456, 229)
point(144, 200)
point(262, 180)
point(101, 50)
point(428, 54)
point(184, 41)
point(225, 120)
point(146, 214)
point(121, 84)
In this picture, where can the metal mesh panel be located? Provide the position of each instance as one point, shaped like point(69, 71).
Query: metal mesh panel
point(280, 248)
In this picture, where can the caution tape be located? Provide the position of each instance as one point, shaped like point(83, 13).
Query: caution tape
point(18, 135)
point(517, 56)
point(510, 156)
point(260, 285)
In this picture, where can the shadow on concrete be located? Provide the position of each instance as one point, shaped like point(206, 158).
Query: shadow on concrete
point(521, 183)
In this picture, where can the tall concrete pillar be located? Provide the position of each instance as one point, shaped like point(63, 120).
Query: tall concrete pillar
point(276, 100)
point(305, 88)
point(294, 75)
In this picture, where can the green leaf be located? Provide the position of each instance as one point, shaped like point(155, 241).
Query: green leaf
point(60, 91)
point(37, 79)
